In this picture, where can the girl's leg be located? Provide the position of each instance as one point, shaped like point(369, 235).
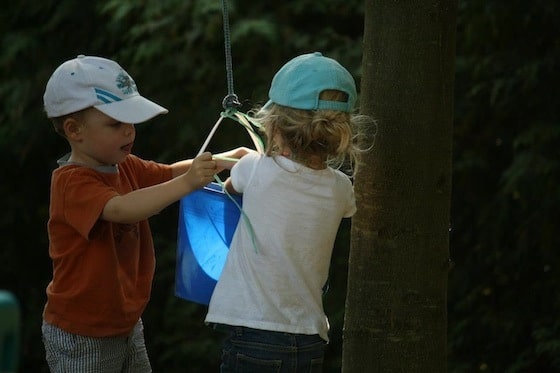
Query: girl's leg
point(250, 350)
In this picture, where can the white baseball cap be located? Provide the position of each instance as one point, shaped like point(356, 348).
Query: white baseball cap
point(97, 82)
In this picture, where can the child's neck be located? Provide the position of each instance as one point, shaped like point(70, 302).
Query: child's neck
point(314, 162)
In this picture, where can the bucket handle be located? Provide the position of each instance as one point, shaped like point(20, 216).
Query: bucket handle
point(242, 119)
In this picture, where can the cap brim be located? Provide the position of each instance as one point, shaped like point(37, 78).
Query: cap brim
point(136, 109)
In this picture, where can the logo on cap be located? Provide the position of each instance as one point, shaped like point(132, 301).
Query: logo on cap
point(126, 84)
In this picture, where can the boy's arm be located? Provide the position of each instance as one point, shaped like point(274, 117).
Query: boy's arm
point(179, 168)
point(142, 203)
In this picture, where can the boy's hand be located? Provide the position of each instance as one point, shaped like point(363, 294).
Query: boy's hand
point(201, 172)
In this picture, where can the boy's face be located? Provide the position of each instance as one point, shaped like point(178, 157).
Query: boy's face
point(101, 140)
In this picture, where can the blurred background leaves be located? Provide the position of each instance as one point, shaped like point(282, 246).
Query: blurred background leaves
point(503, 289)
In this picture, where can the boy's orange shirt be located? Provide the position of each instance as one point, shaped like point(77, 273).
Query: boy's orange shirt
point(102, 271)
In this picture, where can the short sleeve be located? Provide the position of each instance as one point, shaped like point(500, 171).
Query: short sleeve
point(146, 173)
point(351, 205)
point(83, 196)
point(241, 171)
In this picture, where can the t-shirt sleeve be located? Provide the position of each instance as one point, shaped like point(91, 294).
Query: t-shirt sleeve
point(350, 201)
point(351, 205)
point(148, 173)
point(84, 197)
point(241, 171)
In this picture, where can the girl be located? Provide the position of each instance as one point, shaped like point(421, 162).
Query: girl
point(269, 295)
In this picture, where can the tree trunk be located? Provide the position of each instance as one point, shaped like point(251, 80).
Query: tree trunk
point(396, 312)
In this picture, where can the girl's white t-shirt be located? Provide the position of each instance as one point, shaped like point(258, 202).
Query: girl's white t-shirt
point(276, 267)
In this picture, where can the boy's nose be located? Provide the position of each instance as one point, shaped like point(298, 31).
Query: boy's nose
point(129, 129)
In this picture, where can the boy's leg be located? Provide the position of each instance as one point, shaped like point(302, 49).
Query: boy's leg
point(137, 360)
point(67, 352)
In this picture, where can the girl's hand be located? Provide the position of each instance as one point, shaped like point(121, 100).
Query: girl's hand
point(226, 160)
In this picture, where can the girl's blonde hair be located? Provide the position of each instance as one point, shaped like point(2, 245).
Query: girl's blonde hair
point(333, 137)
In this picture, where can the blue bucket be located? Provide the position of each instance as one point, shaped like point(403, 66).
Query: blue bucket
point(207, 220)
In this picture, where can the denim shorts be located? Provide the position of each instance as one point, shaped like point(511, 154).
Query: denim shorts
point(67, 352)
point(261, 351)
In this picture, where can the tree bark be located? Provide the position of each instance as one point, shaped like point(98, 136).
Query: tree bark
point(396, 312)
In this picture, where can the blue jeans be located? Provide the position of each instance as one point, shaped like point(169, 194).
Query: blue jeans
point(248, 350)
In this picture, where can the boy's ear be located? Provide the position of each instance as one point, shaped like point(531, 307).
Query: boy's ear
point(72, 128)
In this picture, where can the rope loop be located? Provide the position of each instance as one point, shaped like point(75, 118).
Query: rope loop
point(231, 101)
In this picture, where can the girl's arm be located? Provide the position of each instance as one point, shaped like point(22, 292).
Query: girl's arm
point(229, 187)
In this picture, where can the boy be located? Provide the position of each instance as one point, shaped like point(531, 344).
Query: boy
point(101, 198)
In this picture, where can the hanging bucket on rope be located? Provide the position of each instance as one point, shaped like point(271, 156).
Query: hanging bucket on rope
point(208, 218)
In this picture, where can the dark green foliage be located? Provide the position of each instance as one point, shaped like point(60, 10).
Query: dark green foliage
point(503, 290)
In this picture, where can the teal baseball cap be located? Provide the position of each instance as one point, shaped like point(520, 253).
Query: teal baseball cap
point(301, 80)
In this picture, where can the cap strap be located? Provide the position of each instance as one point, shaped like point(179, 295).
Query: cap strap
point(333, 105)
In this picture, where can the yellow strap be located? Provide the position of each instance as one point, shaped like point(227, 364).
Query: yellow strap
point(248, 123)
